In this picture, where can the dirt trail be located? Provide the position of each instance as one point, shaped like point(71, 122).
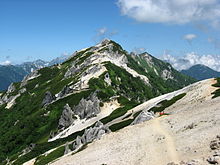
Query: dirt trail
point(169, 141)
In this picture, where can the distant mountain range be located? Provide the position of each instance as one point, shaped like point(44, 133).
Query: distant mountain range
point(201, 72)
point(15, 73)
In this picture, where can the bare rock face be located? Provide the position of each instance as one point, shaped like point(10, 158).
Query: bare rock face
point(6, 97)
point(66, 90)
point(88, 108)
point(67, 117)
point(22, 90)
point(90, 135)
point(31, 76)
point(143, 116)
point(107, 79)
point(11, 88)
point(47, 99)
point(72, 71)
point(1, 101)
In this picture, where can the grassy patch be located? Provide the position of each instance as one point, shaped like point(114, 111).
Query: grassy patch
point(166, 103)
point(118, 126)
point(136, 114)
point(51, 156)
point(42, 148)
point(120, 111)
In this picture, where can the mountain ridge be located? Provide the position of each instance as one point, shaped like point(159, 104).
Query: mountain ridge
point(99, 83)
point(201, 72)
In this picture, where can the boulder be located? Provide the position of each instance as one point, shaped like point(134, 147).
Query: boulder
point(143, 116)
point(215, 144)
point(213, 160)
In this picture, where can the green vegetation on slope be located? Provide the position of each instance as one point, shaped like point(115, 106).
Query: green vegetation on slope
point(118, 126)
point(42, 160)
point(167, 103)
point(139, 64)
point(201, 72)
point(28, 122)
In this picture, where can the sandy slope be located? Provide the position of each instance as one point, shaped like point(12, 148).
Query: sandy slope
point(184, 135)
point(169, 141)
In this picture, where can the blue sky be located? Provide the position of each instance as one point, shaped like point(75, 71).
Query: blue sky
point(46, 29)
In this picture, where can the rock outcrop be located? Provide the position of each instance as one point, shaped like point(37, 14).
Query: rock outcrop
point(67, 117)
point(108, 79)
point(22, 90)
point(31, 76)
point(90, 135)
point(47, 99)
point(65, 91)
point(67, 149)
point(72, 71)
point(11, 88)
point(88, 108)
point(143, 116)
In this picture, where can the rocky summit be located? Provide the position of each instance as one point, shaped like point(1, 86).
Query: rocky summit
point(59, 112)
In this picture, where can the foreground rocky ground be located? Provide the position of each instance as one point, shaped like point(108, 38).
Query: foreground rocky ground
point(188, 135)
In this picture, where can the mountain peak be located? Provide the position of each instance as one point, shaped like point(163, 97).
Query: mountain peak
point(99, 83)
point(201, 72)
point(105, 41)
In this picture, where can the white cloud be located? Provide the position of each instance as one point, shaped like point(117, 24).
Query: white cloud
point(7, 62)
point(190, 59)
point(139, 50)
point(171, 11)
point(102, 31)
point(189, 37)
